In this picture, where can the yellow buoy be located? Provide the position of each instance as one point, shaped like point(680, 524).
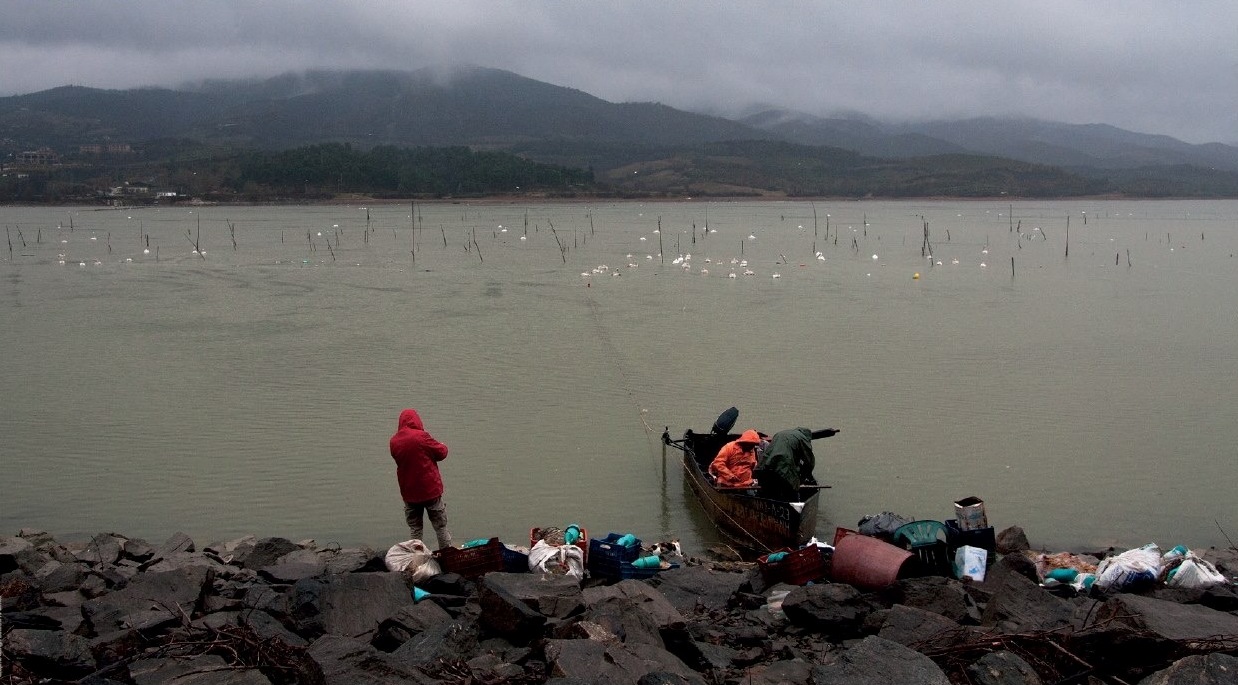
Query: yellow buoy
point(915, 276)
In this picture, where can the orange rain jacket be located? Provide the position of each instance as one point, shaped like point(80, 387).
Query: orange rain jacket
point(735, 461)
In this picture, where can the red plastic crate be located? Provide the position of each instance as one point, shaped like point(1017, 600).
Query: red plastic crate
point(799, 567)
point(472, 562)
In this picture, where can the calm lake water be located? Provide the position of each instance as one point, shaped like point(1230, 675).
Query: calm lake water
point(1086, 393)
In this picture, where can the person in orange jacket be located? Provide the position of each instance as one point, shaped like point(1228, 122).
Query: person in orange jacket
point(733, 466)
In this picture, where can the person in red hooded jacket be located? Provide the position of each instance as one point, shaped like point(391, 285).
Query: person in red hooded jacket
point(417, 454)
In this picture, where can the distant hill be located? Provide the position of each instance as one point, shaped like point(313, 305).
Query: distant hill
point(774, 151)
point(467, 106)
point(1077, 146)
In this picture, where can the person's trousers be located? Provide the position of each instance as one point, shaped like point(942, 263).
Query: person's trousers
point(437, 511)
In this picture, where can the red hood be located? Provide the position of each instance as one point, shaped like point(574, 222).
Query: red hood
point(409, 418)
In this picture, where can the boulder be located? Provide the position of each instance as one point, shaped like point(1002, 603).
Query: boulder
point(834, 609)
point(644, 596)
point(1198, 669)
point(946, 597)
point(50, 653)
point(352, 605)
point(443, 641)
point(408, 622)
point(698, 588)
point(1020, 606)
point(553, 596)
point(908, 625)
point(17, 552)
point(265, 552)
point(507, 615)
point(491, 668)
point(1002, 668)
point(179, 542)
point(136, 550)
point(876, 661)
point(351, 560)
point(1012, 540)
point(781, 672)
point(612, 663)
point(206, 669)
point(623, 618)
point(1167, 620)
point(56, 576)
point(171, 561)
point(347, 661)
point(152, 594)
point(293, 566)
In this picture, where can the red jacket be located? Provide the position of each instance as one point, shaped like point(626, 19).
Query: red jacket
point(416, 454)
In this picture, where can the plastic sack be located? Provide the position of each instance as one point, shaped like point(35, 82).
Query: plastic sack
point(412, 557)
point(970, 562)
point(1194, 572)
point(881, 525)
point(1129, 570)
point(566, 560)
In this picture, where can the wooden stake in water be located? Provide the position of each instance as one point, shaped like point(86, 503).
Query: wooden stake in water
point(660, 255)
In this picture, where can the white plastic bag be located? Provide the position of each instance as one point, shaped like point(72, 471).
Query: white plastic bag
point(970, 562)
point(1194, 572)
point(563, 559)
point(1130, 569)
point(414, 558)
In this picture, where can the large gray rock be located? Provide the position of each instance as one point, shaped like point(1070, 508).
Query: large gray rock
point(553, 596)
point(1168, 620)
point(14, 551)
point(178, 543)
point(834, 609)
point(57, 576)
point(347, 661)
point(623, 618)
point(296, 565)
point(1002, 668)
point(171, 594)
point(781, 672)
point(50, 653)
point(352, 605)
point(408, 622)
point(172, 561)
point(910, 625)
point(644, 596)
point(265, 552)
point(444, 641)
point(206, 669)
point(351, 560)
point(612, 663)
point(507, 615)
point(1012, 540)
point(946, 597)
point(692, 589)
point(1020, 606)
point(1198, 669)
point(875, 661)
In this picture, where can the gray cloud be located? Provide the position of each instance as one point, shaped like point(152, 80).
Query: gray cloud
point(1147, 66)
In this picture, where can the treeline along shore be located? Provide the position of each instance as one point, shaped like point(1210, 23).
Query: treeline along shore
point(266, 610)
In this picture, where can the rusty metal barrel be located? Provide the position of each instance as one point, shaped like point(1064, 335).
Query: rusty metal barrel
point(866, 562)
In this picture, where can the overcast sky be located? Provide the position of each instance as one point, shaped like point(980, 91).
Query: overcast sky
point(1152, 67)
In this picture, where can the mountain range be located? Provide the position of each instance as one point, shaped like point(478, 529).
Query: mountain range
point(493, 109)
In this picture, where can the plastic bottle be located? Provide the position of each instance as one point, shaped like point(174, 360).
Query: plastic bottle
point(572, 534)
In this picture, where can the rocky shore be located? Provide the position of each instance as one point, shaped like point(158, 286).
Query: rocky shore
point(270, 611)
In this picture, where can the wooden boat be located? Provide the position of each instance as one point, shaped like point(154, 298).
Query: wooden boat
point(755, 523)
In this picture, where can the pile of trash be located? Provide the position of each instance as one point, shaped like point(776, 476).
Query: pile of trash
point(1131, 571)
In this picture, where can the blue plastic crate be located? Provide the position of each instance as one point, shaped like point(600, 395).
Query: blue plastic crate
point(515, 561)
point(606, 557)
